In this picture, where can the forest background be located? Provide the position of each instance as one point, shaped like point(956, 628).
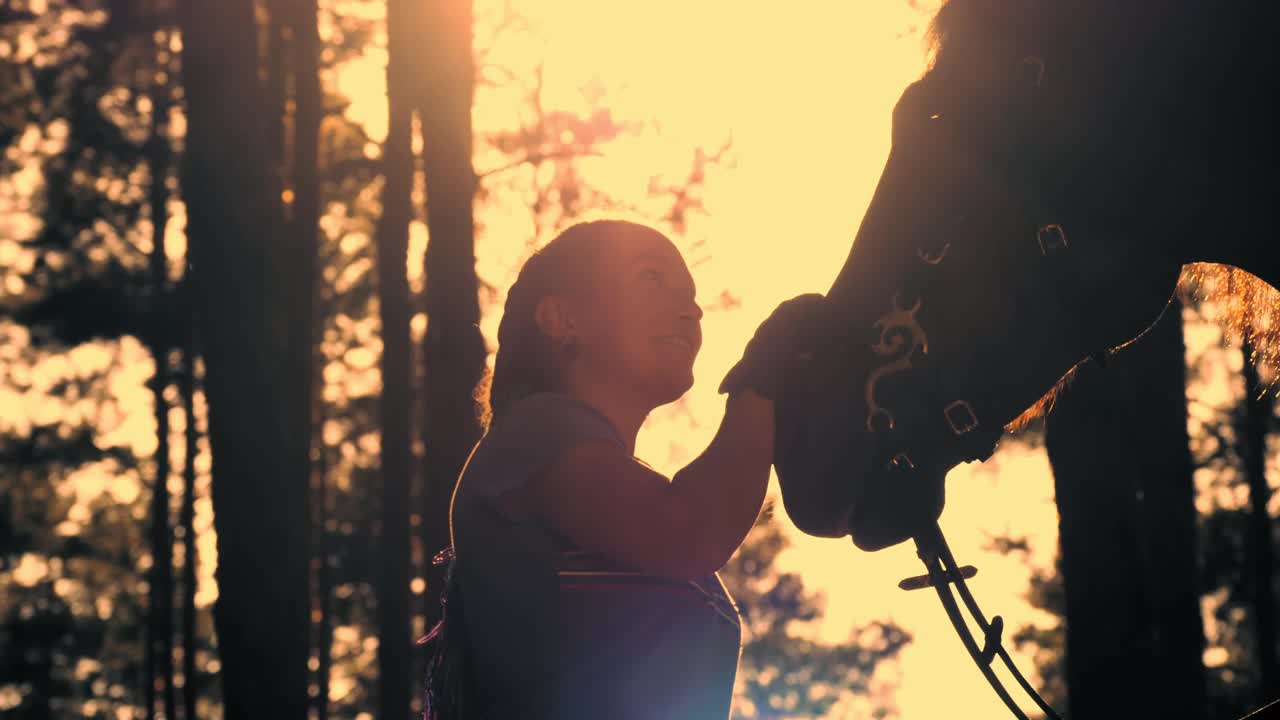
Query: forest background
point(253, 256)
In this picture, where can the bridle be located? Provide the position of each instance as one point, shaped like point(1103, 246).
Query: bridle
point(901, 336)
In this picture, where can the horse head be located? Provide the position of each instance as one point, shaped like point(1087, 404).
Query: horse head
point(995, 256)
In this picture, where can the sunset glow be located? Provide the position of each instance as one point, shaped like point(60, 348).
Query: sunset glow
point(214, 495)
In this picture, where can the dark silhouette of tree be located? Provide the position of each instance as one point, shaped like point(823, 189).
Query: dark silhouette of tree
point(252, 320)
point(404, 21)
point(159, 158)
point(453, 349)
point(1118, 444)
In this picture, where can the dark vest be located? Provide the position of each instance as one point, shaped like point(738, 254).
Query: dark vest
point(560, 633)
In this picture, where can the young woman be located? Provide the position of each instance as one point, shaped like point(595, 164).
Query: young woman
point(584, 583)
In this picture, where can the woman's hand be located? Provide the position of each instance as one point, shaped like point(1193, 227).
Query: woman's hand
point(785, 335)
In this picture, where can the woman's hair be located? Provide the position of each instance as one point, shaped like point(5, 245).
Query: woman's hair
point(528, 361)
point(450, 692)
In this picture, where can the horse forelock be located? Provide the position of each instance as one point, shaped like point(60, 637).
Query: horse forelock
point(960, 23)
point(963, 26)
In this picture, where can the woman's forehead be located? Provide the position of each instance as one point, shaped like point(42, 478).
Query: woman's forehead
point(644, 244)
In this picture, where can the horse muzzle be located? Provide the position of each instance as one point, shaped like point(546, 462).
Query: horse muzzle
point(836, 477)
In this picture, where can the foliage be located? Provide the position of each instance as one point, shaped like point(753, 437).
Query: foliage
point(783, 672)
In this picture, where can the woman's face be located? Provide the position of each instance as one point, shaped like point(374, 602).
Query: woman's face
point(640, 323)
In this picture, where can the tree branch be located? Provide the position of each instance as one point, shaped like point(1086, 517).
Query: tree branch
point(537, 158)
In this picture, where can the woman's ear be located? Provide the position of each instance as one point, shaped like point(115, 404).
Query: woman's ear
point(554, 317)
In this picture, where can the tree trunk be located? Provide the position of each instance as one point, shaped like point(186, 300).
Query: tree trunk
point(394, 661)
point(186, 520)
point(246, 288)
point(1117, 440)
point(303, 216)
point(324, 576)
point(453, 350)
point(1259, 408)
point(160, 611)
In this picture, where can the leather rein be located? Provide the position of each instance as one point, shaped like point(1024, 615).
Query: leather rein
point(942, 571)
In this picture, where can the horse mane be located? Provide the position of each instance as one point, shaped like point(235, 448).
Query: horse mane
point(1247, 308)
point(1042, 406)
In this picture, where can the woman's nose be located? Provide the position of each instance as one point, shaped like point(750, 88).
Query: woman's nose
point(692, 311)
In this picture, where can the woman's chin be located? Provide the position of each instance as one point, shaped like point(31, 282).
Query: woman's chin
point(670, 387)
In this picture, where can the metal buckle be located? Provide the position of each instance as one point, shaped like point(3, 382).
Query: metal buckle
point(877, 413)
point(1051, 237)
point(960, 423)
point(933, 257)
point(1030, 71)
point(901, 461)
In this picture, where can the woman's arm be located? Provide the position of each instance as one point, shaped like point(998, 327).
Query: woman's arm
point(727, 482)
point(607, 502)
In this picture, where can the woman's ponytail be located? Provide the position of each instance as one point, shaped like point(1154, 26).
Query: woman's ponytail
point(451, 692)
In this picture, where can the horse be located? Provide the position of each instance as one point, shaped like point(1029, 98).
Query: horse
point(1051, 174)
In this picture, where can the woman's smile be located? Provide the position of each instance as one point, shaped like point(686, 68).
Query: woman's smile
point(678, 341)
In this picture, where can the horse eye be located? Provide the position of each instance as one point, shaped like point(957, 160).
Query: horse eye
point(935, 116)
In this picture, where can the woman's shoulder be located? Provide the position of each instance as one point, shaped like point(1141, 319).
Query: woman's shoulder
point(549, 416)
point(528, 436)
point(542, 403)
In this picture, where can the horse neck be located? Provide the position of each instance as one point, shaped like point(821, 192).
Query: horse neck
point(1214, 150)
